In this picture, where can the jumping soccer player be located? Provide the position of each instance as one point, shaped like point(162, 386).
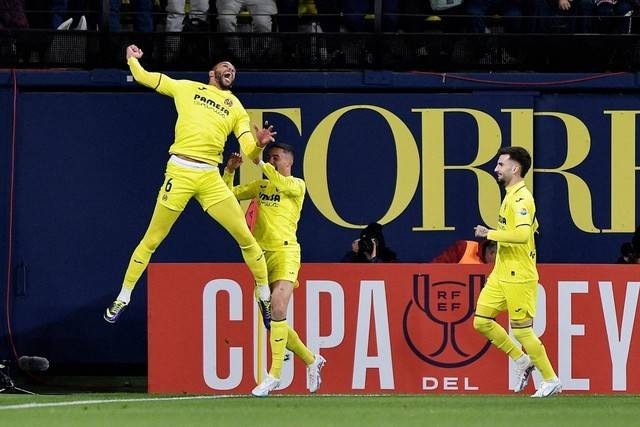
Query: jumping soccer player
point(207, 114)
point(512, 285)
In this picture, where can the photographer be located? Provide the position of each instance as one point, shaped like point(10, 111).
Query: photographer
point(370, 247)
point(630, 251)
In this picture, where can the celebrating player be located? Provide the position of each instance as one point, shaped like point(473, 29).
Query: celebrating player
point(280, 198)
point(512, 285)
point(207, 114)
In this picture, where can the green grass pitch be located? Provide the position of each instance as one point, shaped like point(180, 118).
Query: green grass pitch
point(137, 409)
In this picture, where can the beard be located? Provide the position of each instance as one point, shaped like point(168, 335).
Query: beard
point(220, 80)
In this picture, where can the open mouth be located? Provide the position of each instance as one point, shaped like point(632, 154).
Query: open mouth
point(227, 75)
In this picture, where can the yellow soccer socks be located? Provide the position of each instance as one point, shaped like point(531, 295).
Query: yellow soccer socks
point(278, 341)
point(535, 350)
point(295, 344)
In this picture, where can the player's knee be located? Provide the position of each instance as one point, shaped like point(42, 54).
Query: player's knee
point(244, 241)
point(242, 235)
point(278, 308)
point(482, 324)
point(152, 241)
point(249, 247)
point(278, 312)
point(524, 334)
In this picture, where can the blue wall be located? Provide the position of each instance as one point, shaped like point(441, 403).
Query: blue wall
point(91, 151)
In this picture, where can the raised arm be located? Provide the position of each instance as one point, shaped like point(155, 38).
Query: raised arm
point(156, 81)
point(252, 147)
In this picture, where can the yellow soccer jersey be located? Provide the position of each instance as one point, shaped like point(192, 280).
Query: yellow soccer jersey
point(279, 205)
point(517, 223)
point(206, 116)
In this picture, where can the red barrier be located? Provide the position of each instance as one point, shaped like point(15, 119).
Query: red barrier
point(394, 328)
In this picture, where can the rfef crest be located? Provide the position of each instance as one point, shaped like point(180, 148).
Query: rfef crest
point(437, 311)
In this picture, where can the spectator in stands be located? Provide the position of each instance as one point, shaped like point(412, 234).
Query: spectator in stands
point(261, 14)
point(355, 11)
point(561, 16)
point(509, 10)
point(58, 12)
point(418, 16)
point(296, 15)
point(612, 16)
point(60, 17)
point(469, 252)
point(12, 14)
point(142, 18)
point(176, 14)
point(322, 16)
point(370, 247)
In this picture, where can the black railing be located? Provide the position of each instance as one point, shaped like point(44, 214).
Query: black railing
point(325, 51)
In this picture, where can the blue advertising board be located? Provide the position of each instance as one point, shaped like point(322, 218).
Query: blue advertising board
point(89, 164)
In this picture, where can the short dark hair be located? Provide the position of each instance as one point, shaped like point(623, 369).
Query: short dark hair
point(286, 147)
point(519, 155)
point(213, 67)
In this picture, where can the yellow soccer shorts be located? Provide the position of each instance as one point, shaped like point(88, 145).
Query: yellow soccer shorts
point(518, 298)
point(184, 180)
point(283, 265)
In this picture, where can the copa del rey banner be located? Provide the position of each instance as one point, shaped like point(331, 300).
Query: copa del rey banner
point(389, 328)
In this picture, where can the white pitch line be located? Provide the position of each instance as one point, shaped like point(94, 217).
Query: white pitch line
point(98, 402)
point(151, 399)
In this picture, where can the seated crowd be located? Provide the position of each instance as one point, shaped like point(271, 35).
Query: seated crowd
point(410, 16)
